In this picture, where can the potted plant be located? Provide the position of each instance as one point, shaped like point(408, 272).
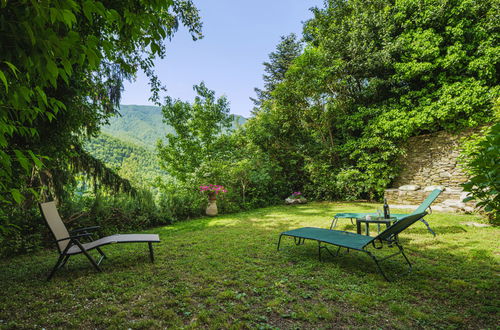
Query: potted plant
point(296, 198)
point(212, 190)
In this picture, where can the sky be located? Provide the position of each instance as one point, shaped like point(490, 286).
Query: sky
point(238, 37)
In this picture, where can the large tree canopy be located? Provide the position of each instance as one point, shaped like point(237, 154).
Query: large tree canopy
point(372, 74)
point(62, 64)
point(279, 62)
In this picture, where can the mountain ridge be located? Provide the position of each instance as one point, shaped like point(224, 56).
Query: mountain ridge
point(143, 125)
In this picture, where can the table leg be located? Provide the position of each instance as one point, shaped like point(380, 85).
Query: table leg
point(358, 227)
point(367, 229)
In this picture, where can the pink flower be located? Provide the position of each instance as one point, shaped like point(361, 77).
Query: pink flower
point(212, 188)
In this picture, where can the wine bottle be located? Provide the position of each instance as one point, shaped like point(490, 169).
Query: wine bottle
point(387, 213)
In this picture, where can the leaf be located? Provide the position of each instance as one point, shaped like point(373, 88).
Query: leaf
point(12, 67)
point(68, 18)
point(50, 116)
point(54, 13)
point(92, 57)
point(2, 77)
point(52, 67)
point(67, 66)
point(35, 159)
point(22, 160)
point(16, 195)
point(42, 94)
point(30, 33)
point(5, 161)
point(466, 199)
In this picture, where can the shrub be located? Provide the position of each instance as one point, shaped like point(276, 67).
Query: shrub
point(484, 168)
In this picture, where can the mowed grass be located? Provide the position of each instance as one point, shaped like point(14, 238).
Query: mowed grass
point(225, 272)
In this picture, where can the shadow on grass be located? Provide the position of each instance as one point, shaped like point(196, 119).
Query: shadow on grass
point(439, 230)
point(227, 262)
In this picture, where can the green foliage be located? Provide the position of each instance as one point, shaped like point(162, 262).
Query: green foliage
point(143, 125)
point(373, 74)
point(114, 212)
point(279, 62)
point(481, 162)
point(135, 163)
point(204, 151)
point(62, 67)
point(138, 124)
point(198, 137)
point(180, 201)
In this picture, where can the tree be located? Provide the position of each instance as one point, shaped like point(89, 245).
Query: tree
point(62, 66)
point(199, 140)
point(279, 62)
point(484, 183)
point(481, 163)
point(373, 74)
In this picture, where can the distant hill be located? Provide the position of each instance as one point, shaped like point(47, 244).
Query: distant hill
point(118, 154)
point(128, 143)
point(143, 125)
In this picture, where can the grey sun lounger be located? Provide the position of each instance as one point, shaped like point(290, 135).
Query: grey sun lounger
point(425, 206)
point(353, 241)
point(70, 244)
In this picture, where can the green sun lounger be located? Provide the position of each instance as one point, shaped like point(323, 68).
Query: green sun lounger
point(348, 240)
point(426, 205)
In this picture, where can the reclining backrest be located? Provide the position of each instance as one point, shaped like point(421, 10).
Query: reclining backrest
point(428, 201)
point(400, 225)
point(54, 221)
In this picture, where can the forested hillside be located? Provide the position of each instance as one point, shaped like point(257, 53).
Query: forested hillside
point(143, 125)
point(128, 159)
point(128, 144)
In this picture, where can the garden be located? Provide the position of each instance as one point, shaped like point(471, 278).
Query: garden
point(328, 132)
point(225, 272)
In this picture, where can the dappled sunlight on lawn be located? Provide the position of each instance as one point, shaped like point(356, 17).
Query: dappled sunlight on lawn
point(224, 222)
point(210, 269)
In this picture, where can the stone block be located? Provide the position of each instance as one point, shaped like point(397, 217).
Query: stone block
point(409, 187)
point(445, 174)
point(431, 188)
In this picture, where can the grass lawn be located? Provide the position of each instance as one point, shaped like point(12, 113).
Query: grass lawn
point(225, 272)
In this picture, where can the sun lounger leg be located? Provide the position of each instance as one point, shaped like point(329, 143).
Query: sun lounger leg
point(406, 258)
point(334, 223)
point(327, 250)
point(61, 261)
point(378, 267)
point(279, 242)
point(319, 250)
point(401, 251)
point(151, 253)
point(91, 259)
point(300, 242)
point(101, 253)
point(64, 261)
point(56, 266)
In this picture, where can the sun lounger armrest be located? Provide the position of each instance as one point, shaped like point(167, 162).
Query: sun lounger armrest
point(74, 237)
point(85, 229)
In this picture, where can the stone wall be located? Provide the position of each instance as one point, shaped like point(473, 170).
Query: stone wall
point(431, 160)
